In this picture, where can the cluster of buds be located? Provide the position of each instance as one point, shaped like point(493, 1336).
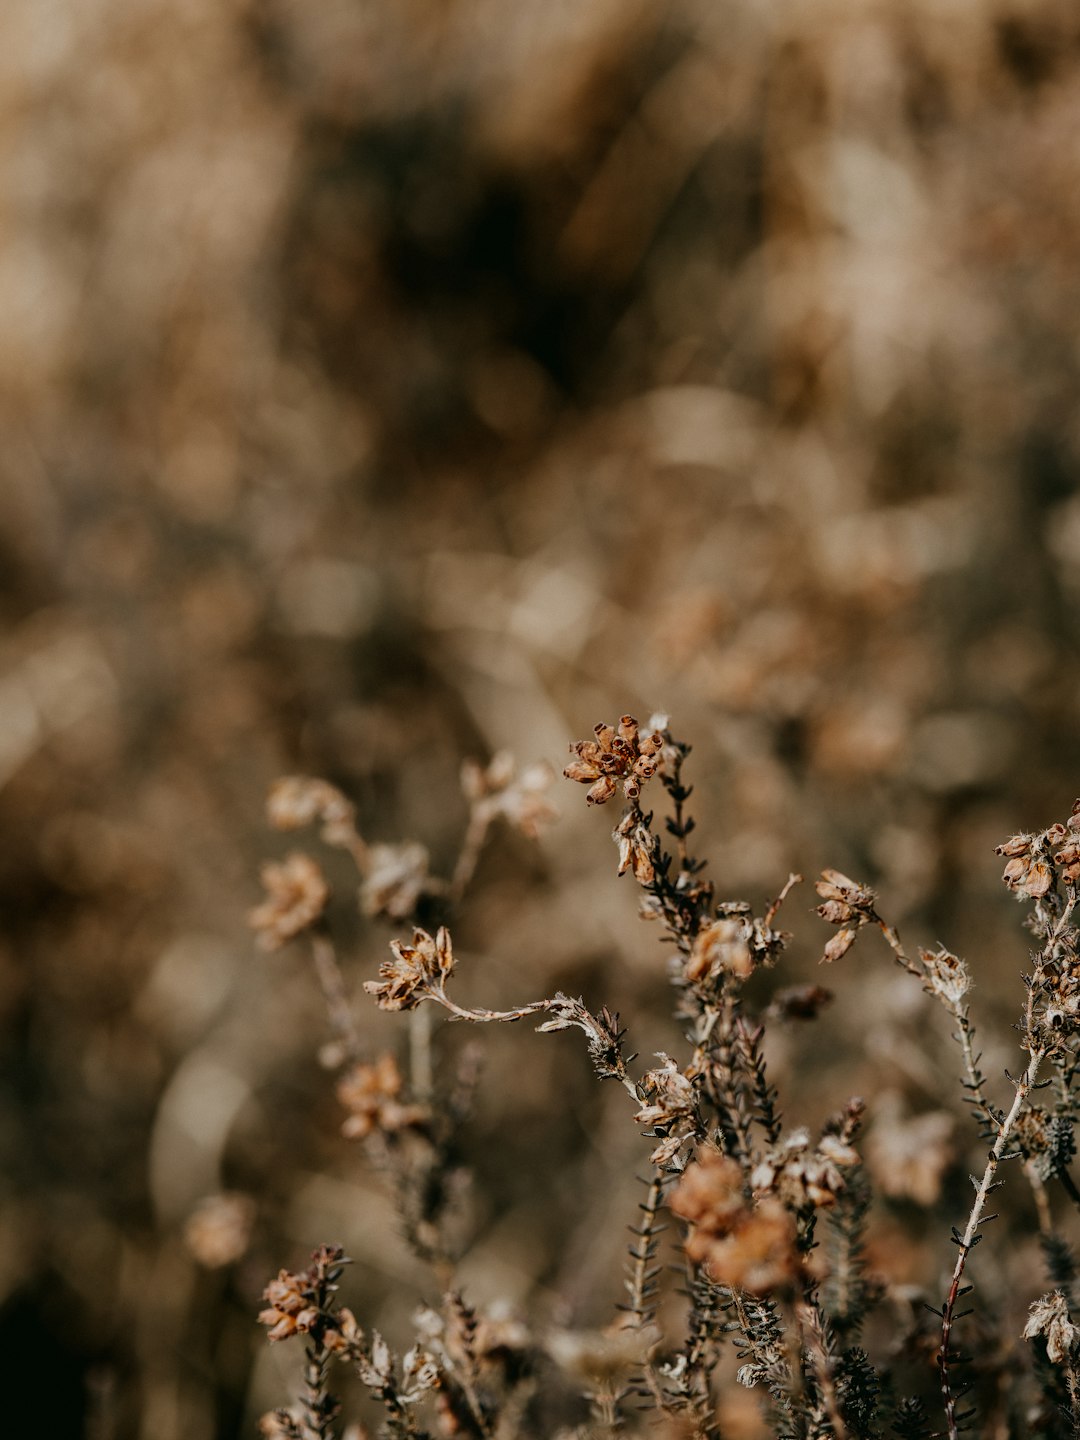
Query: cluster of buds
point(302, 1304)
point(616, 755)
point(414, 972)
point(746, 1244)
point(497, 790)
point(802, 1178)
point(372, 1096)
point(296, 895)
point(848, 905)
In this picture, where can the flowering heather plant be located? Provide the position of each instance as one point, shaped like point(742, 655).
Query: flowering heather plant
point(771, 1221)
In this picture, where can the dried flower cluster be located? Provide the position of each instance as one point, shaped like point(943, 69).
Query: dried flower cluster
point(621, 754)
point(772, 1224)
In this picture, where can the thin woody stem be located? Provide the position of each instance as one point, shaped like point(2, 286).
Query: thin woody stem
point(332, 984)
point(472, 845)
point(967, 1242)
point(959, 1012)
point(487, 1017)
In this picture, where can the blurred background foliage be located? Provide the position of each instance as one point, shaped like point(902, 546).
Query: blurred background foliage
point(390, 381)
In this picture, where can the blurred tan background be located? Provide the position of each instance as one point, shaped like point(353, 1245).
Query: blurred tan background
point(389, 381)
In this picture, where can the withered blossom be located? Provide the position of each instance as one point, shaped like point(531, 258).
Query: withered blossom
point(296, 895)
point(721, 947)
point(406, 979)
point(298, 800)
point(395, 879)
point(838, 945)
point(909, 1155)
point(1049, 1317)
point(616, 755)
point(1068, 857)
point(946, 975)
point(750, 1246)
point(300, 1303)
point(638, 847)
point(669, 1096)
point(1027, 875)
point(802, 1178)
point(846, 901)
point(520, 799)
point(292, 1305)
point(218, 1230)
point(371, 1094)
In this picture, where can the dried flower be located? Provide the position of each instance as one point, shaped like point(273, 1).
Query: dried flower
point(371, 1094)
point(946, 975)
point(395, 879)
point(638, 847)
point(415, 969)
point(1068, 857)
point(300, 1304)
point(909, 1155)
point(522, 800)
point(748, 1246)
point(839, 945)
point(671, 1101)
point(615, 755)
point(722, 947)
point(218, 1230)
point(297, 800)
point(1026, 875)
point(845, 900)
point(291, 1307)
point(297, 894)
point(1049, 1317)
point(802, 1178)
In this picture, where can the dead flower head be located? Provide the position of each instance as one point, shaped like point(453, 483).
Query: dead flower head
point(616, 754)
point(371, 1095)
point(669, 1103)
point(909, 1154)
point(396, 877)
point(751, 1246)
point(1049, 1317)
point(416, 969)
point(802, 1178)
point(301, 1304)
point(218, 1230)
point(846, 901)
point(1068, 857)
point(296, 895)
point(722, 947)
point(946, 975)
point(638, 847)
point(298, 800)
point(1026, 873)
point(520, 799)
